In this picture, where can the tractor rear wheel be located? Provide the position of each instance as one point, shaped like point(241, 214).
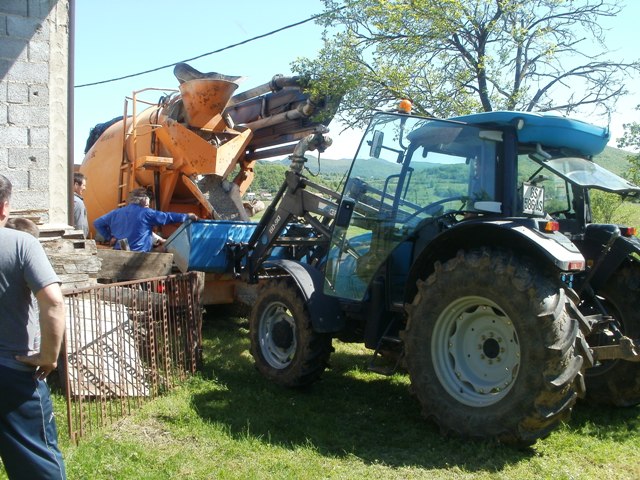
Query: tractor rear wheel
point(284, 345)
point(617, 382)
point(490, 348)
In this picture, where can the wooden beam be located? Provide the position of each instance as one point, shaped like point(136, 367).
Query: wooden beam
point(119, 265)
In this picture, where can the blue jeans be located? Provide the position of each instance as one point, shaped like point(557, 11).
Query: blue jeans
point(28, 433)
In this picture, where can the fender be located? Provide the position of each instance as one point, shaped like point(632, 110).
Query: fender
point(326, 314)
point(549, 248)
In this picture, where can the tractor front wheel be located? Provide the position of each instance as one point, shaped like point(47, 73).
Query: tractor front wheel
point(284, 345)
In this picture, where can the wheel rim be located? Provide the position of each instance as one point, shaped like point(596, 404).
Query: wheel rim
point(475, 351)
point(277, 335)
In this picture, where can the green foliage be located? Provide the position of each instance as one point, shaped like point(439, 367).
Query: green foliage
point(631, 139)
point(270, 175)
point(453, 57)
point(605, 207)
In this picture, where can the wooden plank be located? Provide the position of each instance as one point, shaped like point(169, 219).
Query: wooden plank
point(119, 265)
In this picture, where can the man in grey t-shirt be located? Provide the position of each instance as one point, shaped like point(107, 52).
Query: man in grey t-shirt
point(28, 434)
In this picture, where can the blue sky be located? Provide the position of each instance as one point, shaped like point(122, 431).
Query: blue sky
point(122, 37)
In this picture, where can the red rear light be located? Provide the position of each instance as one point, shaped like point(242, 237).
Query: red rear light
point(551, 226)
point(160, 288)
point(576, 265)
point(628, 231)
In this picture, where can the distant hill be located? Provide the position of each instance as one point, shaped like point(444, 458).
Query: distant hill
point(327, 166)
point(381, 168)
point(613, 159)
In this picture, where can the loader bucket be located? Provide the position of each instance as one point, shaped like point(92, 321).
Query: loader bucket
point(205, 98)
point(204, 245)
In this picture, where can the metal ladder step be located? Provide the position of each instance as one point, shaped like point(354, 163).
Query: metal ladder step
point(397, 346)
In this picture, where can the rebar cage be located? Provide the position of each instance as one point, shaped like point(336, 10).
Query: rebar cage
point(127, 343)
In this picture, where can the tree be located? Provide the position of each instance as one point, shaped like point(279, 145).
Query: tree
point(605, 207)
point(453, 57)
point(631, 139)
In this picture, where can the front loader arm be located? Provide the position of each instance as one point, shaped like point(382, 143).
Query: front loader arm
point(294, 200)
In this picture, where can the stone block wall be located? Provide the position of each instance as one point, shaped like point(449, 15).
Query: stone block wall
point(34, 107)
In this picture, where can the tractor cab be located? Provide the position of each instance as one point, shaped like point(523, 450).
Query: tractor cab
point(410, 177)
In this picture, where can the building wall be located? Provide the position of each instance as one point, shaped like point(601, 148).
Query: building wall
point(34, 82)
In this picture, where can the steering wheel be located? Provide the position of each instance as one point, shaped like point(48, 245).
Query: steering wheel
point(436, 209)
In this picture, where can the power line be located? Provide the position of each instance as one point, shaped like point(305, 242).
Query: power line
point(211, 53)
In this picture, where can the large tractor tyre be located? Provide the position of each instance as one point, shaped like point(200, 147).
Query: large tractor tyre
point(617, 382)
point(284, 345)
point(490, 348)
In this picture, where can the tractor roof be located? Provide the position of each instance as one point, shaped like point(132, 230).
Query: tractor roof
point(547, 130)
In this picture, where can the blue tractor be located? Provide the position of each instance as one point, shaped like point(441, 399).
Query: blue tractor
point(464, 252)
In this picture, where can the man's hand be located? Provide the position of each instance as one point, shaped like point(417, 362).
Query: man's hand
point(42, 369)
point(192, 216)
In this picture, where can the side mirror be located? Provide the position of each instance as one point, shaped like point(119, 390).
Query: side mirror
point(343, 218)
point(376, 144)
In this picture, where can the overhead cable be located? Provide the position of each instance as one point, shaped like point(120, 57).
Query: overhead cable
point(210, 53)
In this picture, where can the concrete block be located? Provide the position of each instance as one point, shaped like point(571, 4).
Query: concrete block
point(3, 113)
point(38, 51)
point(5, 66)
point(14, 7)
point(28, 200)
point(18, 158)
point(39, 94)
point(39, 179)
point(39, 137)
point(13, 49)
point(19, 181)
point(27, 28)
point(41, 8)
point(17, 92)
point(28, 115)
point(3, 91)
point(11, 136)
point(27, 158)
point(35, 72)
point(4, 158)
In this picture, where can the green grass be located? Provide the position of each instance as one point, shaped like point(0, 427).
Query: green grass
point(230, 423)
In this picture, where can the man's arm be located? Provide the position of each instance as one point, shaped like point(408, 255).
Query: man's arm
point(102, 226)
point(52, 327)
point(164, 218)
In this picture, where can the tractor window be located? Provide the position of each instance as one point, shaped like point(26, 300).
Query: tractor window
point(541, 191)
point(410, 175)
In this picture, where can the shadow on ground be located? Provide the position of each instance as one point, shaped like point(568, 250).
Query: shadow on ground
point(347, 413)
point(374, 418)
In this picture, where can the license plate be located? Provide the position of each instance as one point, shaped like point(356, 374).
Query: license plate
point(532, 199)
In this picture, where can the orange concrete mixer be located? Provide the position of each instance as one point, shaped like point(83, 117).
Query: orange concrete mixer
point(194, 147)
